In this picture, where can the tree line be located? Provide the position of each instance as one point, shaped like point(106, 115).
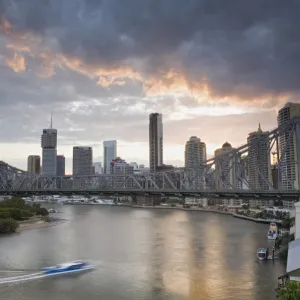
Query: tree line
point(14, 210)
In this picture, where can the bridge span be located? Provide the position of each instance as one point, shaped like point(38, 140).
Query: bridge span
point(245, 195)
point(178, 182)
point(237, 173)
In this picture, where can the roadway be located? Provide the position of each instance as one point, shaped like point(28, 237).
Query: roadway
point(238, 194)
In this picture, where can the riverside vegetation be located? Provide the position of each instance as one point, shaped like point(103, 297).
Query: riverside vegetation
point(290, 292)
point(14, 210)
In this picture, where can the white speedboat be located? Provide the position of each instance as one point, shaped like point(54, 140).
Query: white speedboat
point(262, 253)
point(273, 231)
point(71, 267)
point(61, 269)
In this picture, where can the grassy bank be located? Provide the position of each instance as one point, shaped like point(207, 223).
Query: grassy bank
point(14, 212)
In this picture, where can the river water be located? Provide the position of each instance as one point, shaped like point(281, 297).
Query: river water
point(142, 254)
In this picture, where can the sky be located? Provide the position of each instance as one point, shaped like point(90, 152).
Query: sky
point(213, 68)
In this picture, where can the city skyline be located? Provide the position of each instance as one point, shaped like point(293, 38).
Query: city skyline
point(141, 159)
point(204, 85)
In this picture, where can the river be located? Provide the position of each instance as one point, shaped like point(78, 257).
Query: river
point(142, 254)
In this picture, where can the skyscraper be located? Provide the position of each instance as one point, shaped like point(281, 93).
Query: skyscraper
point(110, 153)
point(195, 156)
point(259, 160)
point(195, 153)
point(226, 169)
point(155, 141)
point(289, 149)
point(60, 165)
point(49, 152)
point(34, 164)
point(82, 160)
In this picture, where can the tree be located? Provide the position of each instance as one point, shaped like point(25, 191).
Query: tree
point(15, 213)
point(287, 223)
point(14, 202)
point(8, 225)
point(41, 211)
point(290, 292)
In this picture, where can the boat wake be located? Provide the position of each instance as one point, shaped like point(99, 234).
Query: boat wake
point(39, 275)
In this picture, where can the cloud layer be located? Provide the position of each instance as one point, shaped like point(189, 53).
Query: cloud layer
point(234, 48)
point(101, 66)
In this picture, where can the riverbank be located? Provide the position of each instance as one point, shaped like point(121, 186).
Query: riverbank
point(264, 221)
point(38, 222)
point(180, 208)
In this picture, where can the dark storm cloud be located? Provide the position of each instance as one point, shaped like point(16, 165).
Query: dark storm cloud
point(242, 48)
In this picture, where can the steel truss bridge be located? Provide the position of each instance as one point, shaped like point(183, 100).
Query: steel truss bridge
point(242, 172)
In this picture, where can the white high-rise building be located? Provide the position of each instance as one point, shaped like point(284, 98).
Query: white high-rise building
point(155, 141)
point(110, 153)
point(98, 167)
point(82, 160)
point(195, 153)
point(289, 148)
point(49, 152)
point(195, 156)
point(259, 160)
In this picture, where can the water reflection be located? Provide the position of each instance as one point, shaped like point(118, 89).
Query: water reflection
point(144, 254)
point(177, 252)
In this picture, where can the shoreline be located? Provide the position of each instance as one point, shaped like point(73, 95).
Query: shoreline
point(265, 221)
point(181, 208)
point(261, 221)
point(38, 223)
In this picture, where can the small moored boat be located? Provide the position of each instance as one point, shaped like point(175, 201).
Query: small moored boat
point(273, 231)
point(262, 253)
point(71, 267)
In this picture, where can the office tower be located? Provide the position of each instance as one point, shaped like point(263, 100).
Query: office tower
point(155, 141)
point(82, 160)
point(34, 164)
point(49, 152)
point(195, 153)
point(259, 160)
point(289, 148)
point(120, 169)
point(110, 153)
point(226, 168)
point(195, 157)
point(60, 165)
point(98, 168)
